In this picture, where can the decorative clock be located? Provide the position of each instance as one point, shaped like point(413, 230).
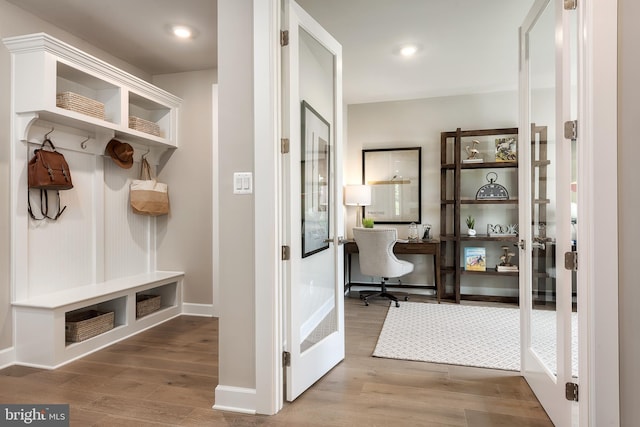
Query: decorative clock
point(492, 190)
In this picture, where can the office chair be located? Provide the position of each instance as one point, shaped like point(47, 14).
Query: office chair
point(375, 248)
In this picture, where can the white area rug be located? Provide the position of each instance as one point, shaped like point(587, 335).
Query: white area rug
point(486, 337)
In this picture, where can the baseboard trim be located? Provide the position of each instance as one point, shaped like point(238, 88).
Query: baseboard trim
point(7, 357)
point(235, 399)
point(190, 309)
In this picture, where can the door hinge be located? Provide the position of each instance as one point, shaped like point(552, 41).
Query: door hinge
point(286, 253)
point(571, 129)
point(571, 392)
point(570, 4)
point(284, 145)
point(571, 261)
point(522, 244)
point(286, 358)
point(284, 38)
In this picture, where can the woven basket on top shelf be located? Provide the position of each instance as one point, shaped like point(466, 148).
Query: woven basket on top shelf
point(80, 104)
point(80, 326)
point(136, 123)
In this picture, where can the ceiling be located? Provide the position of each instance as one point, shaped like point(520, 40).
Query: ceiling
point(137, 31)
point(467, 46)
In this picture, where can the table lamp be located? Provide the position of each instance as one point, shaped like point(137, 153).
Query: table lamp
point(357, 195)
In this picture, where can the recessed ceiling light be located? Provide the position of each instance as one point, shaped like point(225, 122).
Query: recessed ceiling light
point(408, 50)
point(182, 31)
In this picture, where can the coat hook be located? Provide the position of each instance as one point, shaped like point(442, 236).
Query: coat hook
point(83, 144)
point(46, 135)
point(145, 154)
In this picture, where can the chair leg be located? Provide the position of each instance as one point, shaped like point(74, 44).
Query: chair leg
point(382, 293)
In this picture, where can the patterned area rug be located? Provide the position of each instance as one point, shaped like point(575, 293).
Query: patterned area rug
point(486, 337)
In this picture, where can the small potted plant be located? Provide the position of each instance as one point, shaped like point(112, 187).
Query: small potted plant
point(367, 222)
point(471, 224)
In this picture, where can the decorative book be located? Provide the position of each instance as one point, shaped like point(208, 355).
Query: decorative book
point(506, 268)
point(506, 149)
point(475, 259)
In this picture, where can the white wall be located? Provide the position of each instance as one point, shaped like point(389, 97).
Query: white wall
point(185, 240)
point(236, 152)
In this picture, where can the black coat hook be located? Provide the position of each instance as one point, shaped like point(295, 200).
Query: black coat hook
point(83, 144)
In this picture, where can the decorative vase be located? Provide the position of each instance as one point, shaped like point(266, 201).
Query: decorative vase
point(471, 232)
point(413, 232)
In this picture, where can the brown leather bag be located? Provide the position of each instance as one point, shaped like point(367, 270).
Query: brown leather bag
point(48, 170)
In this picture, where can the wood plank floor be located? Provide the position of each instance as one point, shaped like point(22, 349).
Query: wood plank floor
point(166, 377)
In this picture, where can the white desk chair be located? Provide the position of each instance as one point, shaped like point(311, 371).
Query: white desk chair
point(375, 248)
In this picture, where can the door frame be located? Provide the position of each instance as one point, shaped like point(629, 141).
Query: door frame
point(599, 376)
point(598, 372)
point(267, 208)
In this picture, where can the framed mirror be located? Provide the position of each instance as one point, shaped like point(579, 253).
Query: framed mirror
point(395, 177)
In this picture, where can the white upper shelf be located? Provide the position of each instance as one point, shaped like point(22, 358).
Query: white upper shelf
point(44, 67)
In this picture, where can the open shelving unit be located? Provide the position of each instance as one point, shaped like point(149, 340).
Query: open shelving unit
point(98, 255)
point(459, 183)
point(44, 67)
point(458, 188)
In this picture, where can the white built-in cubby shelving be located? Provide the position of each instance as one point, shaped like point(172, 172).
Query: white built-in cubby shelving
point(44, 67)
point(98, 254)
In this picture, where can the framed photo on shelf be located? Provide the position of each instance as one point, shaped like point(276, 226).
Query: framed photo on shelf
point(315, 167)
point(475, 259)
point(506, 149)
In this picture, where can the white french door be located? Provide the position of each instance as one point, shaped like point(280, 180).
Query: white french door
point(547, 163)
point(312, 198)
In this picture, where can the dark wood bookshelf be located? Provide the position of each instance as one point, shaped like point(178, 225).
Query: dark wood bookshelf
point(452, 199)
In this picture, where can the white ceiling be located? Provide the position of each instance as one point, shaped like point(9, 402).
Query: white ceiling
point(137, 30)
point(468, 46)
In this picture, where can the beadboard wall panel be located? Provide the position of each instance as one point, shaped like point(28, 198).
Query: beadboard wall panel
point(127, 241)
point(67, 244)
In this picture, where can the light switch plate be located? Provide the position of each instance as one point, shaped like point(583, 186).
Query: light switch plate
point(242, 183)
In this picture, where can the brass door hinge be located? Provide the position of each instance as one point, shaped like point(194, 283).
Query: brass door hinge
point(571, 261)
point(571, 129)
point(570, 4)
point(284, 145)
point(284, 38)
point(571, 392)
point(286, 253)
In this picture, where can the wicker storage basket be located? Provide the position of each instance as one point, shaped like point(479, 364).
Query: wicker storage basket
point(83, 325)
point(136, 123)
point(80, 104)
point(146, 304)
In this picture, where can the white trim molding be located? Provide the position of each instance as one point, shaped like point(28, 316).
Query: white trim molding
point(191, 309)
point(268, 307)
point(599, 377)
point(235, 399)
point(7, 357)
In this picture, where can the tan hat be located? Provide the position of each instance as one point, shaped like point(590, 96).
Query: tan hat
point(121, 153)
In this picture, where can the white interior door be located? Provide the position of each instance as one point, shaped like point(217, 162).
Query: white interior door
point(545, 213)
point(312, 189)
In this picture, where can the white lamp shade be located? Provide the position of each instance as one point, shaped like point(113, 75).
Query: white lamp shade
point(357, 195)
